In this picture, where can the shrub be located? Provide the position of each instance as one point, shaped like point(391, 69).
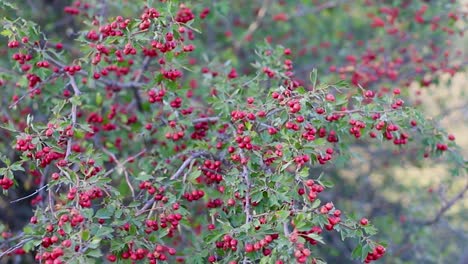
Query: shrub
point(157, 131)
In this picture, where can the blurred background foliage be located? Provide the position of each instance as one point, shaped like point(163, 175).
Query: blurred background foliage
point(395, 189)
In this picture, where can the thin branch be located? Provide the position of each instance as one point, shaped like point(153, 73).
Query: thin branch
point(123, 85)
point(30, 195)
point(15, 247)
point(187, 162)
point(146, 206)
point(74, 111)
point(135, 91)
point(36, 87)
point(125, 162)
point(443, 209)
point(205, 119)
point(120, 165)
point(307, 11)
point(254, 26)
point(245, 175)
point(285, 229)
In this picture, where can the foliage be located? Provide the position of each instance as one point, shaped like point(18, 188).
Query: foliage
point(162, 132)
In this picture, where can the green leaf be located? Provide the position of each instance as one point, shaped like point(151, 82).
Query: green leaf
point(316, 237)
point(315, 204)
point(85, 234)
point(313, 77)
point(301, 90)
point(104, 213)
point(117, 245)
point(304, 173)
point(5, 160)
point(357, 252)
point(16, 167)
point(104, 231)
point(365, 250)
point(257, 197)
point(95, 253)
point(327, 183)
point(282, 214)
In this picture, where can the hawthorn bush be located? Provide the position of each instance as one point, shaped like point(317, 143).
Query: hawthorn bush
point(221, 131)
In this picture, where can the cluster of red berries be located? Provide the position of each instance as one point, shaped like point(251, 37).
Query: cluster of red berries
point(172, 74)
point(148, 186)
point(87, 197)
point(356, 127)
point(314, 189)
point(74, 219)
point(171, 221)
point(301, 253)
point(184, 15)
point(176, 103)
point(92, 169)
point(301, 160)
point(200, 130)
point(72, 69)
point(46, 155)
point(228, 242)
point(323, 159)
point(214, 203)
point(25, 144)
point(75, 8)
point(210, 170)
point(244, 142)
point(42, 64)
point(241, 115)
point(376, 254)
point(156, 95)
point(261, 245)
point(309, 133)
point(50, 257)
point(269, 72)
point(151, 225)
point(13, 44)
point(292, 126)
point(194, 195)
point(314, 230)
point(22, 58)
point(148, 14)
point(6, 183)
point(178, 135)
point(441, 146)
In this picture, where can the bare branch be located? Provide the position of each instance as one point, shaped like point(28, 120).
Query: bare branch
point(30, 195)
point(144, 67)
point(245, 175)
point(205, 119)
point(254, 25)
point(121, 165)
point(319, 8)
point(187, 162)
point(443, 209)
point(146, 206)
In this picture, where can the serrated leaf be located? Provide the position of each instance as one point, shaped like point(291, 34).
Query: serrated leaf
point(103, 213)
point(315, 204)
point(316, 237)
point(357, 252)
point(304, 173)
point(95, 253)
point(85, 234)
point(326, 183)
point(365, 250)
point(313, 77)
point(257, 197)
point(104, 231)
point(282, 214)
